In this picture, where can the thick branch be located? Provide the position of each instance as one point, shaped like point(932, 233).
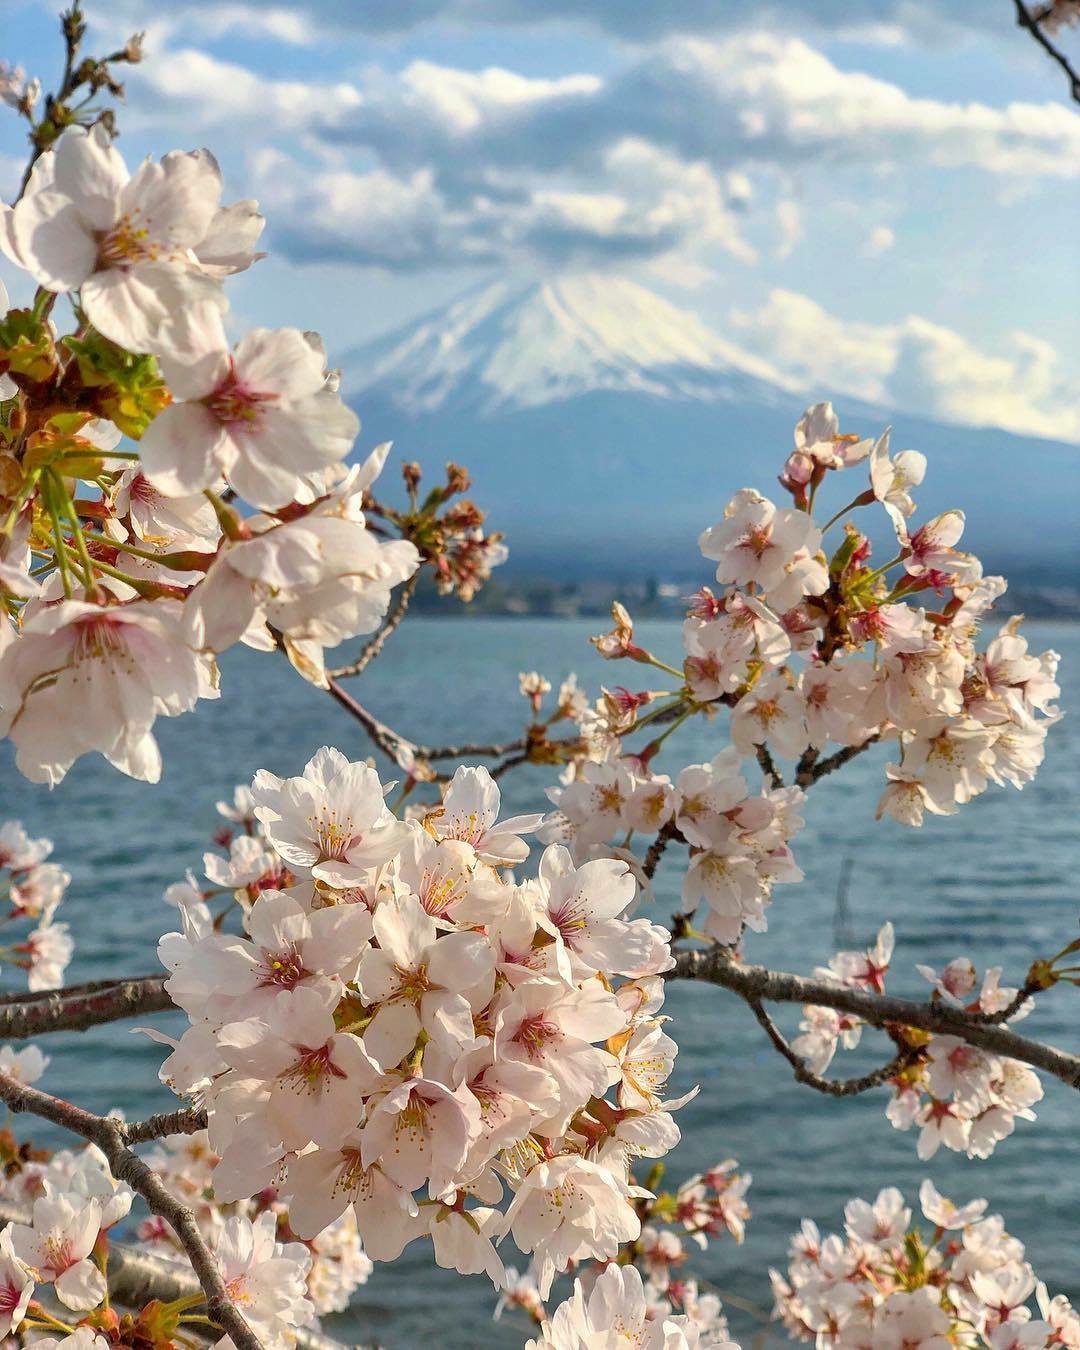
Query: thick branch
point(81, 1006)
point(108, 1135)
point(371, 650)
point(717, 966)
point(1032, 22)
point(184, 1121)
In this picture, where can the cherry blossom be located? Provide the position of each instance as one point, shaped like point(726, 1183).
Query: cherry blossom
point(331, 821)
point(126, 244)
point(261, 416)
point(264, 1279)
point(57, 1249)
point(123, 665)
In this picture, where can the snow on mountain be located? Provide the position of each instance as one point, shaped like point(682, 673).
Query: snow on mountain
point(503, 347)
point(591, 388)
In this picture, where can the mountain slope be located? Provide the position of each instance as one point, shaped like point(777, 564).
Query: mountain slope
point(605, 428)
point(501, 348)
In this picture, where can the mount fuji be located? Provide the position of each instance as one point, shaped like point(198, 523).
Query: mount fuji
point(605, 427)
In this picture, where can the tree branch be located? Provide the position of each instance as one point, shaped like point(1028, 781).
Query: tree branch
point(832, 1087)
point(108, 1135)
point(768, 766)
point(717, 966)
point(667, 834)
point(81, 1006)
point(138, 1276)
point(184, 1121)
point(371, 650)
point(811, 771)
point(1033, 24)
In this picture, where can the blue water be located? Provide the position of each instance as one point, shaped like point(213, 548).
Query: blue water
point(996, 882)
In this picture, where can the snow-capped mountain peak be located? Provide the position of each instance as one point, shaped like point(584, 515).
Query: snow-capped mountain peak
point(502, 347)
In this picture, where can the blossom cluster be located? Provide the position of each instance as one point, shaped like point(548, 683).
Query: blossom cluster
point(655, 1297)
point(409, 1030)
point(336, 1265)
point(35, 889)
point(889, 1283)
point(124, 573)
point(810, 647)
point(616, 1310)
point(75, 1207)
point(955, 1093)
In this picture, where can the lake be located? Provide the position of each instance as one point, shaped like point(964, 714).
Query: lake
point(996, 883)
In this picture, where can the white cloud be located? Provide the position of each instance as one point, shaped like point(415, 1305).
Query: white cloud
point(919, 366)
point(754, 98)
point(289, 25)
point(645, 205)
point(880, 239)
point(882, 22)
point(663, 156)
point(186, 88)
point(789, 220)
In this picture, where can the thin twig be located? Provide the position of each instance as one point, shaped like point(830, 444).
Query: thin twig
point(831, 1087)
point(470, 749)
point(511, 762)
point(716, 965)
point(667, 834)
point(805, 777)
point(768, 765)
point(1033, 24)
point(371, 650)
point(108, 1135)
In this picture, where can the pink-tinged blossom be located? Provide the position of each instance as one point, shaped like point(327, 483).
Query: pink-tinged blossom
point(318, 577)
point(891, 477)
point(46, 952)
point(943, 1213)
point(18, 851)
point(773, 548)
point(952, 758)
point(260, 416)
point(315, 1076)
point(37, 892)
point(956, 981)
point(470, 814)
point(582, 907)
point(930, 552)
point(57, 1247)
point(127, 244)
point(615, 1312)
point(555, 1028)
point(265, 1280)
point(420, 1131)
point(568, 1210)
point(16, 1286)
point(121, 665)
point(332, 821)
point(418, 980)
point(907, 799)
point(771, 712)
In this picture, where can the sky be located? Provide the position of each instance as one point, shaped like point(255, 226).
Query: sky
point(877, 197)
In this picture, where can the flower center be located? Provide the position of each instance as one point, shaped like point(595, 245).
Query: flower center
point(234, 404)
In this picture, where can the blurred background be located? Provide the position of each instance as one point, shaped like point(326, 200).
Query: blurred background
point(603, 253)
